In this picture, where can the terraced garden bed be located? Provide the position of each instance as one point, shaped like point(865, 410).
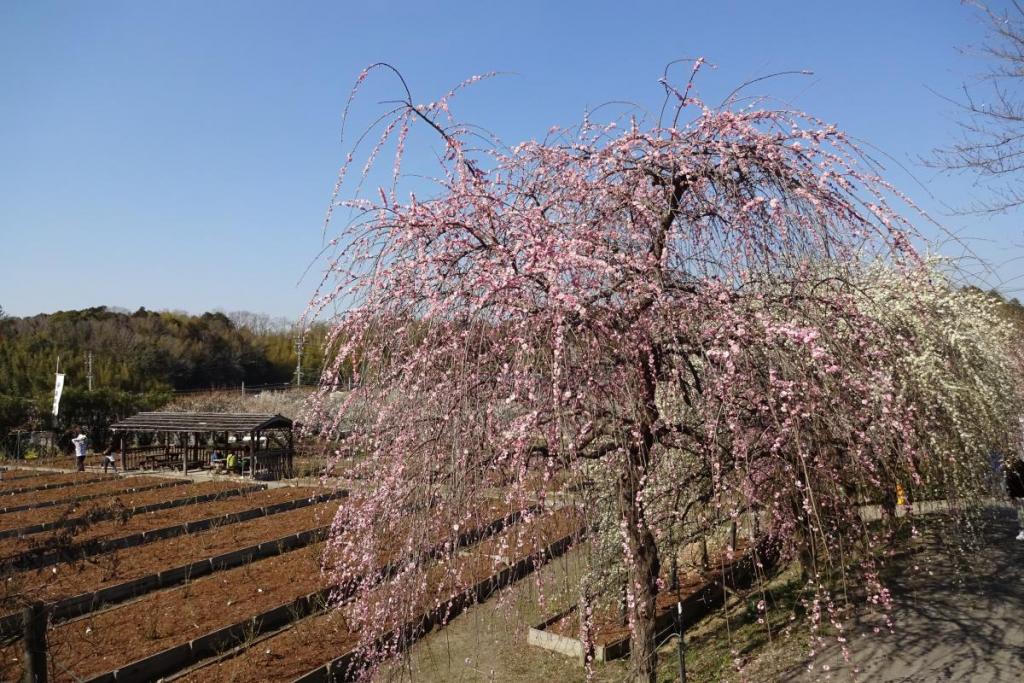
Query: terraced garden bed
point(118, 503)
point(15, 480)
point(21, 470)
point(81, 539)
point(9, 504)
point(107, 640)
point(314, 642)
point(11, 474)
point(53, 583)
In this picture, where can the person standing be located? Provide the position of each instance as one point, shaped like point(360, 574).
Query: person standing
point(1015, 489)
point(81, 442)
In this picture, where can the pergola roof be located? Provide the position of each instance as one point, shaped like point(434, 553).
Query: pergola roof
point(202, 422)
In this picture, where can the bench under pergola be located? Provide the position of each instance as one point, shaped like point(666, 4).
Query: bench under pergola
point(263, 443)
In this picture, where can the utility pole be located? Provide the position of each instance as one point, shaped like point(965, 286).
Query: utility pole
point(89, 375)
point(298, 360)
point(681, 645)
point(680, 630)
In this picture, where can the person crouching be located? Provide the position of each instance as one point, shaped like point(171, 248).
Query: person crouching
point(108, 458)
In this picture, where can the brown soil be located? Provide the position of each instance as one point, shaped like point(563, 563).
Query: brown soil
point(132, 524)
point(10, 474)
point(108, 569)
point(117, 501)
point(19, 479)
point(71, 493)
point(104, 641)
point(313, 642)
point(608, 626)
point(536, 479)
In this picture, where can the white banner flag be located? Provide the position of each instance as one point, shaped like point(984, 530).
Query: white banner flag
point(57, 389)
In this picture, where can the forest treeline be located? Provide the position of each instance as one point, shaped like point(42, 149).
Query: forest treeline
point(138, 360)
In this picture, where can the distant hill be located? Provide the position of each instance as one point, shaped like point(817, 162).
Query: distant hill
point(138, 359)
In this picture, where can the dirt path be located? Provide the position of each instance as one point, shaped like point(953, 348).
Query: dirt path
point(964, 622)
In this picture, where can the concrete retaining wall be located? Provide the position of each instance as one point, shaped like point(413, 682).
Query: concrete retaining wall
point(539, 636)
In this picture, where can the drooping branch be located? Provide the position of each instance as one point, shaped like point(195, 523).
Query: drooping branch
point(990, 144)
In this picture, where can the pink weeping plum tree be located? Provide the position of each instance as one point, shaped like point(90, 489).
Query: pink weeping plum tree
point(649, 322)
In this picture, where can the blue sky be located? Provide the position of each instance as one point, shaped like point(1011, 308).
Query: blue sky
point(181, 154)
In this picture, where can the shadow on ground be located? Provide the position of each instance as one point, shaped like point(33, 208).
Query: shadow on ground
point(963, 621)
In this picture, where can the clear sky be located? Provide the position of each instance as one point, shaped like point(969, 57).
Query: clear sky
point(181, 154)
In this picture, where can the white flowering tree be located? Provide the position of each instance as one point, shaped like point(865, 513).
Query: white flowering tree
point(960, 369)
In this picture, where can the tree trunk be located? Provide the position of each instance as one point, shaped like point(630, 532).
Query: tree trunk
point(805, 550)
point(887, 506)
point(642, 567)
point(804, 537)
point(806, 556)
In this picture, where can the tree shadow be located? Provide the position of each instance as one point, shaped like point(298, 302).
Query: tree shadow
point(958, 614)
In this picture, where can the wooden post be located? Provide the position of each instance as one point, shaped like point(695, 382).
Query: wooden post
point(291, 453)
point(674, 587)
point(124, 457)
point(252, 455)
point(256, 454)
point(33, 623)
point(681, 643)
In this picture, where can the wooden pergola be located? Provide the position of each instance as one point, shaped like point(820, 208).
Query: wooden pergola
point(263, 443)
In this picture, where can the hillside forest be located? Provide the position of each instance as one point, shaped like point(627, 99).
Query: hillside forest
point(140, 361)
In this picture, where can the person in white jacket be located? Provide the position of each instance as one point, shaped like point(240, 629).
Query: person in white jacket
point(81, 442)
